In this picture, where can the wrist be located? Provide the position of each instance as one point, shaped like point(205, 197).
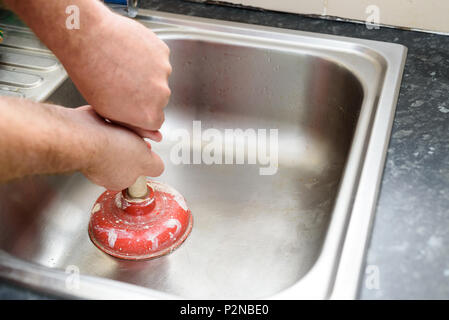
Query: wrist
point(91, 135)
point(80, 141)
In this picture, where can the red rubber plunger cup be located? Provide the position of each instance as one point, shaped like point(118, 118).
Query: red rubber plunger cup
point(145, 221)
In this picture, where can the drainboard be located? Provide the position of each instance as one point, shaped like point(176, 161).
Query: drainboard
point(294, 225)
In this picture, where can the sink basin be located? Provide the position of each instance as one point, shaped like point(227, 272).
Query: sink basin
point(298, 231)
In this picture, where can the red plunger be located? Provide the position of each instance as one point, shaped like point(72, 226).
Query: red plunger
point(145, 221)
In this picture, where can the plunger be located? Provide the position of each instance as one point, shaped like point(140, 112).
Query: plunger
point(145, 221)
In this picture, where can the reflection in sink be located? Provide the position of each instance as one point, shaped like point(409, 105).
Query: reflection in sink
point(254, 235)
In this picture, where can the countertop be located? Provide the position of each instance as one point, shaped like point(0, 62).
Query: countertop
point(410, 239)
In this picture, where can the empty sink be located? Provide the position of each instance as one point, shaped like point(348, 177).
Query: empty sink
point(290, 222)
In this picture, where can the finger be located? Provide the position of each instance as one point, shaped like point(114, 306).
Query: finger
point(169, 71)
point(154, 135)
point(88, 109)
point(85, 108)
point(148, 143)
point(167, 98)
point(155, 165)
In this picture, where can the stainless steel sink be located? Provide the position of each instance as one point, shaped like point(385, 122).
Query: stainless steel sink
point(299, 233)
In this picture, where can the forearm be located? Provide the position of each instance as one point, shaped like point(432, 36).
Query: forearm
point(40, 138)
point(47, 18)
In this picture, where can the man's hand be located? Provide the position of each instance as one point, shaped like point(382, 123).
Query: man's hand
point(42, 138)
point(120, 67)
point(122, 71)
point(120, 156)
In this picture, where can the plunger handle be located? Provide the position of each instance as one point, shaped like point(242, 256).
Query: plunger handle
point(138, 189)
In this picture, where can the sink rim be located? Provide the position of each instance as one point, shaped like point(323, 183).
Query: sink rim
point(350, 218)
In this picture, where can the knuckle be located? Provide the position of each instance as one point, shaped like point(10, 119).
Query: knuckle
point(167, 49)
point(161, 88)
point(160, 120)
point(160, 169)
point(167, 91)
point(156, 119)
point(154, 167)
point(164, 92)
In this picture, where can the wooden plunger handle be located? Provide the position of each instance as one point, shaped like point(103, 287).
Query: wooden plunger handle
point(139, 188)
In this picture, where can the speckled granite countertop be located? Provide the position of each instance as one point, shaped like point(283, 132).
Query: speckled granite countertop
point(410, 240)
